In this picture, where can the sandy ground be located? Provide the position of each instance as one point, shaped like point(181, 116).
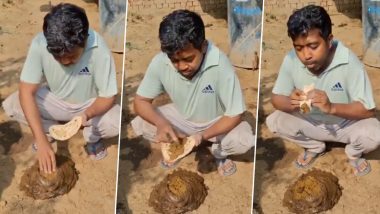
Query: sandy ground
point(95, 190)
point(274, 161)
point(139, 170)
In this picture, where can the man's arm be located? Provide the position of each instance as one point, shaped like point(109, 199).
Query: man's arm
point(351, 111)
point(144, 108)
point(100, 106)
point(222, 126)
point(45, 153)
point(289, 103)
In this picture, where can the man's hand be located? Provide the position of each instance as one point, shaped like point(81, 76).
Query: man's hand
point(320, 100)
point(165, 133)
point(198, 137)
point(295, 97)
point(46, 158)
point(85, 119)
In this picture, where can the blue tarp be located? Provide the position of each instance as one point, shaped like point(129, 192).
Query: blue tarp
point(244, 25)
point(112, 19)
point(371, 33)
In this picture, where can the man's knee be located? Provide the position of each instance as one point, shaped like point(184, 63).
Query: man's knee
point(11, 105)
point(240, 140)
point(271, 121)
point(137, 125)
point(110, 122)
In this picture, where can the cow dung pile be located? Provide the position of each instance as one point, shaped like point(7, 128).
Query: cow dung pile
point(40, 185)
point(179, 192)
point(313, 192)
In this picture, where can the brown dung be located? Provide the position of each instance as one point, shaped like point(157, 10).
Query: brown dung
point(39, 185)
point(313, 192)
point(179, 192)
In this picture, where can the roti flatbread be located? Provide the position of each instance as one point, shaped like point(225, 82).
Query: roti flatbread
point(305, 104)
point(66, 131)
point(174, 151)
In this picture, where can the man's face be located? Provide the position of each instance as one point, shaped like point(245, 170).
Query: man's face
point(313, 50)
point(188, 61)
point(70, 58)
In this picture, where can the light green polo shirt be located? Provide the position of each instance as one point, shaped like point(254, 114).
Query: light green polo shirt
point(92, 76)
point(344, 81)
point(214, 91)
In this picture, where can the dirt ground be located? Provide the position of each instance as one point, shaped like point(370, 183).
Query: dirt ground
point(139, 167)
point(275, 170)
point(95, 190)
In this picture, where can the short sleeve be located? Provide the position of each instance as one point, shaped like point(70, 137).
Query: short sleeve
point(151, 85)
point(32, 71)
point(105, 76)
point(229, 90)
point(284, 84)
point(359, 86)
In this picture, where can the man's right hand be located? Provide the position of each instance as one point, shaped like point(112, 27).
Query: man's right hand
point(165, 133)
point(295, 97)
point(46, 158)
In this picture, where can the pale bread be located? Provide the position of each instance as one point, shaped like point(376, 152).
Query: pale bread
point(305, 105)
point(188, 147)
point(66, 131)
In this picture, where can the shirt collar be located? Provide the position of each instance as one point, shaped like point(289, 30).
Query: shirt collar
point(92, 40)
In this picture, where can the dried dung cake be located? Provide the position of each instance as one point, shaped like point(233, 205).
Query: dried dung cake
point(313, 192)
point(179, 192)
point(40, 185)
point(67, 130)
point(174, 151)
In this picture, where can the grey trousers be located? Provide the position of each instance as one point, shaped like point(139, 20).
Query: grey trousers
point(52, 110)
point(238, 141)
point(361, 136)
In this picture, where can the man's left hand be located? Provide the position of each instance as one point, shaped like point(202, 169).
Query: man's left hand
point(85, 120)
point(197, 138)
point(320, 100)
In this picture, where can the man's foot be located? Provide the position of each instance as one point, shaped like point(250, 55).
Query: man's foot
point(226, 167)
point(168, 165)
point(361, 166)
point(306, 159)
point(96, 151)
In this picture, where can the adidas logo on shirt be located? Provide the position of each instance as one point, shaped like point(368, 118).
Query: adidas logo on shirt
point(337, 87)
point(84, 71)
point(208, 89)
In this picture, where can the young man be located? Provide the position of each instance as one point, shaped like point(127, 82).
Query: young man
point(80, 80)
point(206, 94)
point(342, 106)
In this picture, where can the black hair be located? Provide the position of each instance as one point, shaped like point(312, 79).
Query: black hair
point(180, 28)
point(308, 18)
point(65, 28)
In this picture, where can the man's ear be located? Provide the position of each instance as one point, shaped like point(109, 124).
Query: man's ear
point(204, 46)
point(330, 40)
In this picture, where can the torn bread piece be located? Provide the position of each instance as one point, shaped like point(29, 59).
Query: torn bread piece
point(305, 104)
point(174, 151)
point(66, 131)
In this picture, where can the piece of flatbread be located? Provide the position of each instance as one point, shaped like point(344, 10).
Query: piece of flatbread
point(305, 104)
point(188, 145)
point(66, 131)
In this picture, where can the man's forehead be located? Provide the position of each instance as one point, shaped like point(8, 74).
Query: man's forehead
point(309, 36)
point(186, 52)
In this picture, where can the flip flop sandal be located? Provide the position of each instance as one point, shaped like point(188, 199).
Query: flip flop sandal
point(356, 165)
point(165, 165)
point(307, 155)
point(96, 151)
point(221, 163)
